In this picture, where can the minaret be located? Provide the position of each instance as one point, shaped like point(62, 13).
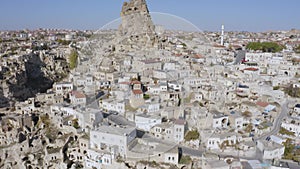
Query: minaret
point(222, 35)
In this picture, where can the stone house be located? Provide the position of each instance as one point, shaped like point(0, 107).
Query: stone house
point(98, 159)
point(236, 120)
point(172, 131)
point(270, 149)
point(292, 125)
point(220, 120)
point(62, 88)
point(77, 98)
point(221, 141)
point(112, 105)
point(112, 139)
point(146, 122)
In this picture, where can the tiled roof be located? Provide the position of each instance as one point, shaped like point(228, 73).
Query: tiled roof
point(262, 104)
point(251, 69)
point(136, 92)
point(77, 94)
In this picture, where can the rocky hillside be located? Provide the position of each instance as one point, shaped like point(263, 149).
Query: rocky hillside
point(28, 75)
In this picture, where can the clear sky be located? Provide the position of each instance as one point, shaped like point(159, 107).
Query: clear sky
point(242, 15)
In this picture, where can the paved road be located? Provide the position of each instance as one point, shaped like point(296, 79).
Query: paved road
point(191, 151)
point(120, 120)
point(95, 102)
point(240, 56)
point(277, 123)
point(184, 150)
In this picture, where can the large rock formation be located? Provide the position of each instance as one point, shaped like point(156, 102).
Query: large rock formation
point(137, 29)
point(136, 19)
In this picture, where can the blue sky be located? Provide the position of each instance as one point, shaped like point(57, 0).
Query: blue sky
point(243, 15)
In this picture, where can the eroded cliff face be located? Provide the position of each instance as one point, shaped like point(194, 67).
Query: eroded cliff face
point(30, 75)
point(137, 28)
point(136, 19)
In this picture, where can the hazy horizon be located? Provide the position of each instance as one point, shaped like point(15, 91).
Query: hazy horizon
point(207, 15)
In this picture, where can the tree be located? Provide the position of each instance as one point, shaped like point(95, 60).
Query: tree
point(146, 96)
point(192, 135)
point(75, 123)
point(185, 160)
point(254, 46)
point(286, 132)
point(247, 114)
point(272, 47)
point(249, 128)
point(73, 59)
point(63, 42)
point(289, 147)
point(292, 91)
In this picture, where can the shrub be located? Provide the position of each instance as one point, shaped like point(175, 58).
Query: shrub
point(73, 59)
point(192, 135)
point(185, 160)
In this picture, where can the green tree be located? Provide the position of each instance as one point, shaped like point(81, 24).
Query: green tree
point(192, 135)
point(254, 46)
point(286, 132)
point(185, 160)
point(63, 42)
point(289, 148)
point(146, 96)
point(292, 91)
point(75, 123)
point(73, 59)
point(265, 46)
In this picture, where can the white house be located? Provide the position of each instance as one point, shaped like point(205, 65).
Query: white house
point(173, 85)
point(257, 57)
point(236, 120)
point(77, 98)
point(98, 159)
point(160, 74)
point(83, 80)
point(251, 71)
point(220, 120)
point(172, 131)
point(297, 108)
point(150, 108)
point(157, 89)
point(196, 96)
point(112, 138)
point(112, 105)
point(169, 66)
point(270, 149)
point(62, 88)
point(179, 130)
point(146, 122)
point(219, 141)
point(292, 125)
point(103, 84)
point(172, 156)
